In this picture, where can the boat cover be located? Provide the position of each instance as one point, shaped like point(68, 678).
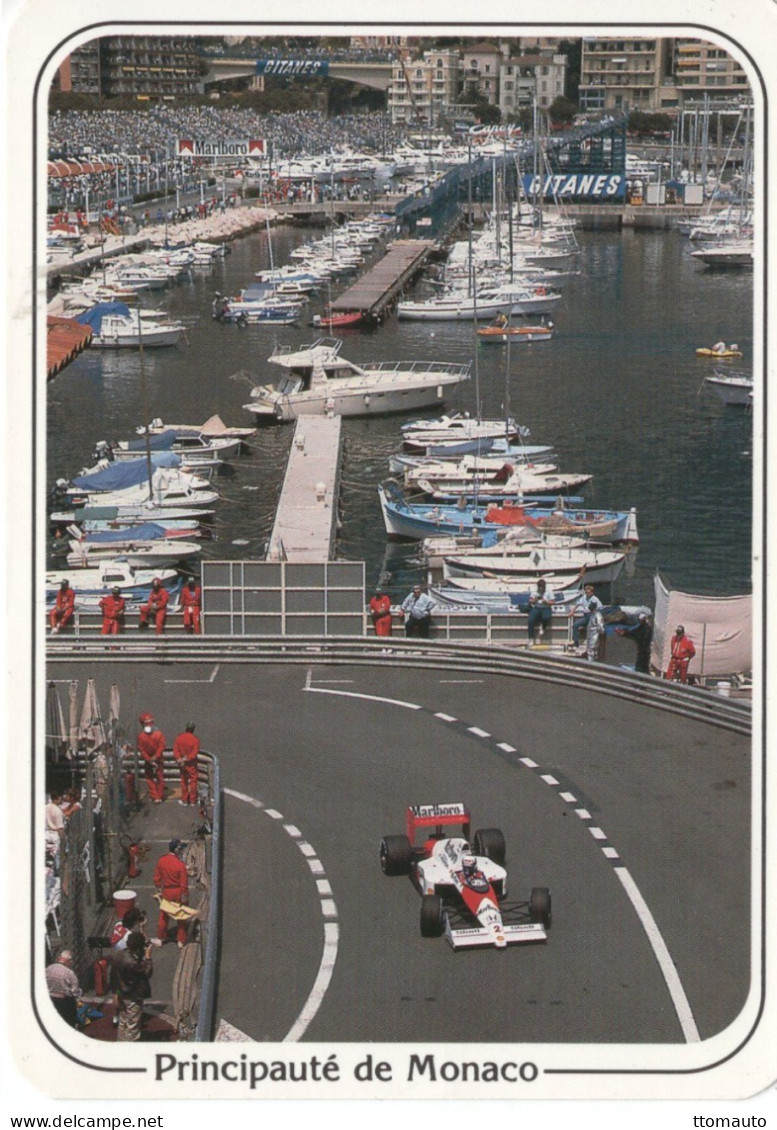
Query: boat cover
point(128, 473)
point(146, 531)
point(94, 317)
point(161, 442)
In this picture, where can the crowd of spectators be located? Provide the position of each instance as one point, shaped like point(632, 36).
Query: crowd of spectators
point(157, 130)
point(141, 146)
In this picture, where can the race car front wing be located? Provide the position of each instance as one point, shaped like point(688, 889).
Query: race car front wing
point(467, 937)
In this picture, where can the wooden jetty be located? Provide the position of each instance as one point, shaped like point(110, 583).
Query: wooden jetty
point(379, 287)
point(306, 519)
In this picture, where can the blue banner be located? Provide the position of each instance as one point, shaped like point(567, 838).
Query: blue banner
point(593, 186)
point(293, 68)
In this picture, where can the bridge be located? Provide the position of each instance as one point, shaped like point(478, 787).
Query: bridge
point(377, 76)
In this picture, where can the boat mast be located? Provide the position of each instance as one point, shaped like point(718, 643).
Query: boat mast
point(146, 417)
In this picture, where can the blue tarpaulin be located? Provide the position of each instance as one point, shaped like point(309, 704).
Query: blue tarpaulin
point(119, 476)
point(162, 442)
point(146, 531)
point(94, 317)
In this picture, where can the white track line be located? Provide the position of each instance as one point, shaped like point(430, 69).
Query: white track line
point(328, 909)
point(213, 674)
point(663, 957)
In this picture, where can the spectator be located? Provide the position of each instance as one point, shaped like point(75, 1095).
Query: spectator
point(171, 880)
point(380, 611)
point(64, 606)
point(417, 613)
point(63, 987)
point(133, 968)
point(541, 601)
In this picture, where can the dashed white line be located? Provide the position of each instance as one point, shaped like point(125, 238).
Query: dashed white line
point(583, 813)
point(568, 797)
point(610, 852)
point(328, 906)
point(597, 833)
point(527, 761)
point(548, 779)
point(445, 717)
point(506, 748)
point(478, 732)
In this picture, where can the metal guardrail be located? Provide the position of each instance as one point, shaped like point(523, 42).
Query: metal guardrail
point(204, 1030)
point(686, 701)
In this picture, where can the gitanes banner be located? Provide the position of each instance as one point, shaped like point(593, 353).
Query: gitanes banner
point(293, 68)
point(254, 147)
point(595, 186)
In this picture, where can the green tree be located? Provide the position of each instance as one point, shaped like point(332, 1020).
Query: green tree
point(562, 110)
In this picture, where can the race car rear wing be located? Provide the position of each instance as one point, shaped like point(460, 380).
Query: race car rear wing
point(437, 816)
point(478, 936)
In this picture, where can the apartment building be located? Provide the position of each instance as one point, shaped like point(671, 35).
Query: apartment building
point(704, 68)
point(147, 67)
point(521, 77)
point(424, 91)
point(618, 75)
point(480, 66)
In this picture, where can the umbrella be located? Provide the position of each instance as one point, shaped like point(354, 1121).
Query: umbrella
point(73, 718)
point(114, 709)
point(56, 730)
point(91, 728)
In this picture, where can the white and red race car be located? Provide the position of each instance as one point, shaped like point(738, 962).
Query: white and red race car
point(463, 886)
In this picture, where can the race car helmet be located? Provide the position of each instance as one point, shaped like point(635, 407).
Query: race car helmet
point(469, 864)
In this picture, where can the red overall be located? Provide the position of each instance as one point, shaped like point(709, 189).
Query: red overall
point(112, 608)
point(62, 612)
point(380, 610)
point(186, 748)
point(172, 881)
point(683, 652)
point(156, 609)
point(191, 602)
point(151, 748)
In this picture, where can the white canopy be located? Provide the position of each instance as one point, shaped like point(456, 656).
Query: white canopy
point(721, 627)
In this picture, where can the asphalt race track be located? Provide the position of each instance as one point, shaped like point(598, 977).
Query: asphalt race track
point(637, 820)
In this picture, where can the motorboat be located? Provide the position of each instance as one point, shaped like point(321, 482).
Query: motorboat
point(214, 427)
point(523, 454)
point(500, 333)
point(533, 560)
point(726, 253)
point(510, 481)
point(487, 595)
point(115, 326)
point(193, 450)
point(732, 389)
point(91, 585)
point(169, 488)
point(316, 380)
point(85, 553)
point(457, 433)
point(484, 304)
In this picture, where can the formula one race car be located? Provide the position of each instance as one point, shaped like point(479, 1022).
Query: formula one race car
point(463, 887)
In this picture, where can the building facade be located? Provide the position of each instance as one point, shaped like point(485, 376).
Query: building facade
point(522, 77)
point(480, 66)
point(618, 75)
point(704, 68)
point(424, 91)
point(149, 68)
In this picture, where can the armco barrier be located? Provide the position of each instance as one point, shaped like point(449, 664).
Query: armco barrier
point(519, 662)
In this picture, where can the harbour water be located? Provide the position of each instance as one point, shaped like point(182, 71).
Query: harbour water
point(619, 392)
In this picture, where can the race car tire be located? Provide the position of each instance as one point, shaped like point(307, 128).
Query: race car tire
point(491, 843)
point(539, 906)
point(396, 855)
point(431, 916)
